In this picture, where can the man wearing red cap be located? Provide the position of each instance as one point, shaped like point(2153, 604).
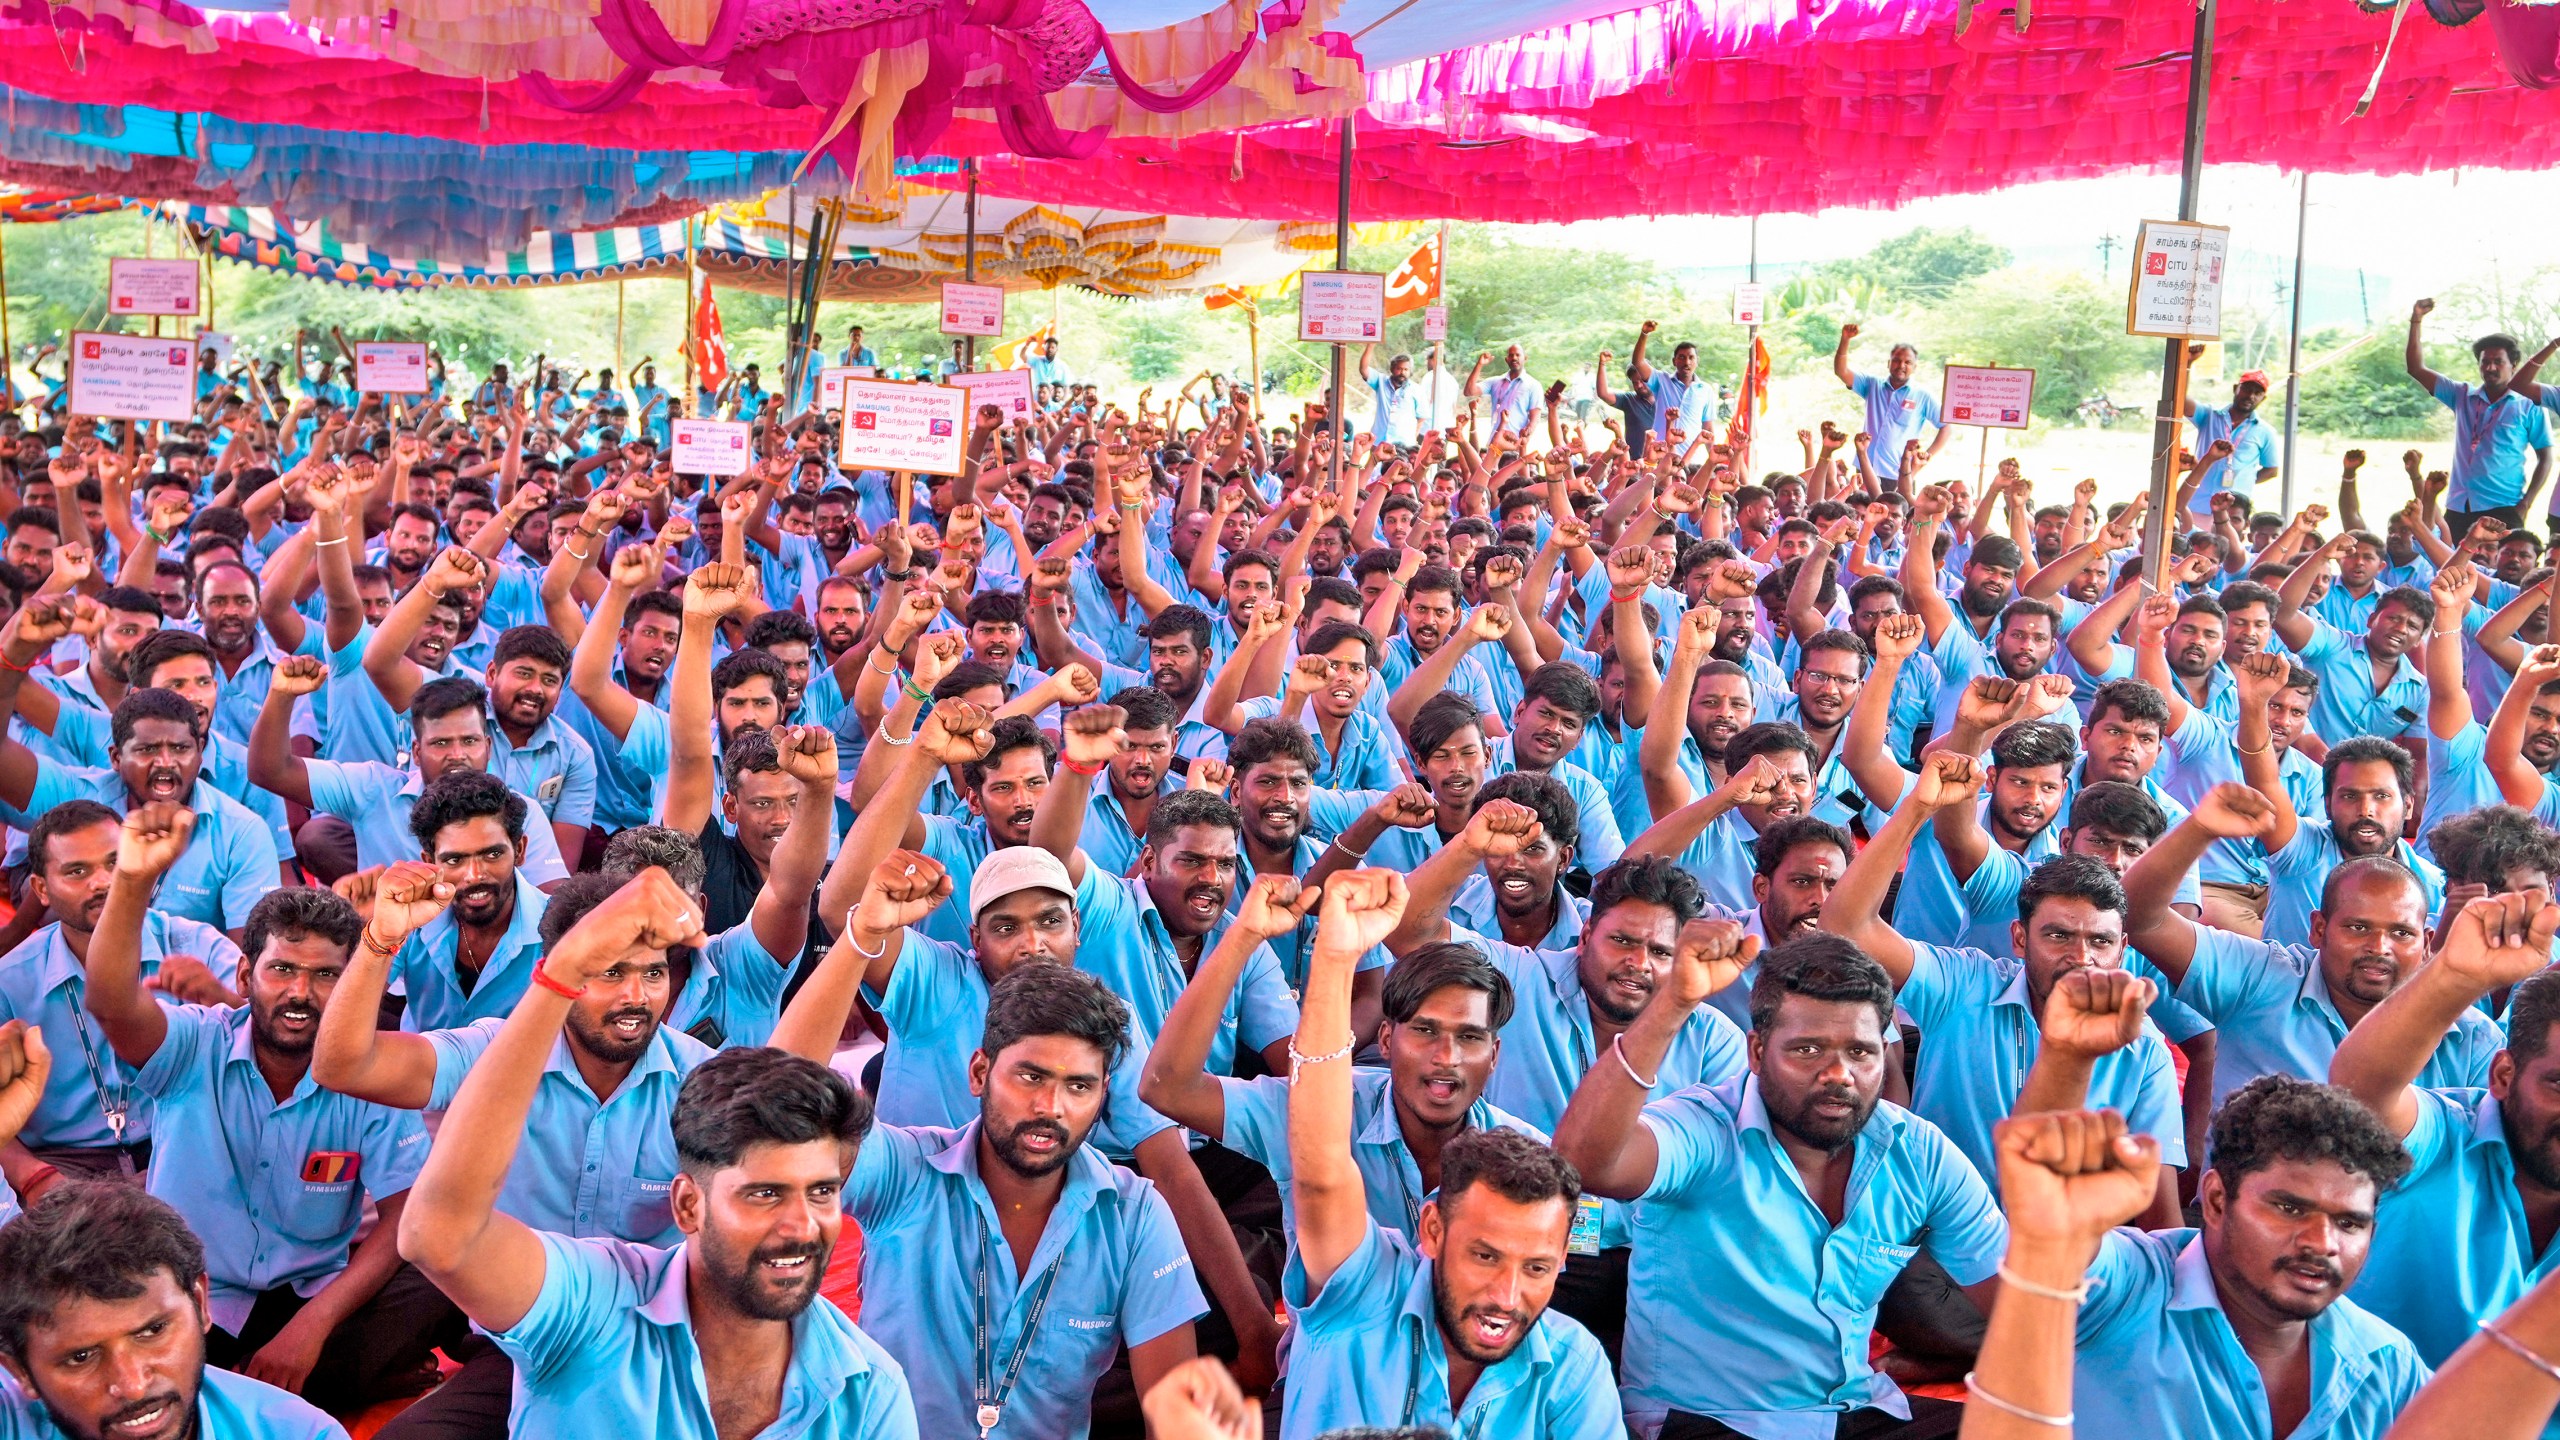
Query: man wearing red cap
point(2253, 443)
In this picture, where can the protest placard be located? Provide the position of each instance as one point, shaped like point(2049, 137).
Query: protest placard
point(972, 309)
point(132, 377)
point(1341, 307)
point(903, 425)
point(1435, 322)
point(1007, 390)
point(711, 447)
point(1993, 396)
point(215, 343)
point(154, 287)
point(2177, 281)
point(391, 367)
point(1750, 304)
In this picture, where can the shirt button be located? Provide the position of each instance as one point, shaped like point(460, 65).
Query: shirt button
point(591, 1169)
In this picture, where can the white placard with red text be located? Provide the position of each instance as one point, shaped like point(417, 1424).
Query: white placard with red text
point(904, 425)
point(391, 367)
point(154, 287)
point(1991, 396)
point(831, 384)
point(1341, 307)
point(711, 447)
point(1750, 304)
point(2177, 280)
point(1435, 322)
point(972, 309)
point(132, 377)
point(1007, 390)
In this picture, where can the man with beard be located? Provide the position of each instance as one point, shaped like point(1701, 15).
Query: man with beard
point(2282, 1009)
point(131, 616)
point(612, 1337)
point(1830, 674)
point(86, 1124)
point(745, 687)
point(1178, 642)
point(226, 602)
point(1872, 600)
point(2495, 429)
point(831, 520)
point(1683, 400)
point(1001, 785)
point(1742, 1246)
point(531, 748)
point(1115, 821)
point(1484, 1254)
point(408, 544)
point(1557, 704)
point(1980, 1011)
point(2022, 634)
point(607, 1093)
point(451, 736)
point(1332, 677)
point(1272, 783)
point(1699, 709)
point(1432, 620)
point(2367, 685)
point(619, 667)
point(1895, 409)
point(1573, 1004)
point(1795, 865)
point(474, 960)
point(1015, 1210)
point(2468, 1232)
point(155, 752)
point(1712, 835)
point(102, 1327)
point(2523, 740)
point(272, 1170)
point(1513, 397)
point(2364, 785)
point(2251, 460)
point(2243, 1326)
point(1412, 821)
point(1522, 897)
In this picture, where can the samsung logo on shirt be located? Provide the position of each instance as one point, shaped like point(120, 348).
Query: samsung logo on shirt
point(1169, 1267)
point(1104, 1323)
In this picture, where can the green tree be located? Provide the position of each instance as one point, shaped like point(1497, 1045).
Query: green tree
point(2366, 393)
point(2064, 324)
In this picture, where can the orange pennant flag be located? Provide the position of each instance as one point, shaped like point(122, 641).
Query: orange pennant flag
point(1416, 282)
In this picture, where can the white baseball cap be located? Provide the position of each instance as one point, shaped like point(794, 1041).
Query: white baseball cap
point(1016, 868)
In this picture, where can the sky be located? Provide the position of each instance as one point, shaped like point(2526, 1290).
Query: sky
point(2368, 253)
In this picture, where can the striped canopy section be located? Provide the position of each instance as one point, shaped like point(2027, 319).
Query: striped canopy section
point(256, 236)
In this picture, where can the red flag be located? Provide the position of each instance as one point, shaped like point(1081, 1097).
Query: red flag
point(708, 347)
point(1416, 282)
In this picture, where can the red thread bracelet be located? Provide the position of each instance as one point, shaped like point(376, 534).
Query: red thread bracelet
point(1621, 597)
point(1087, 771)
point(543, 978)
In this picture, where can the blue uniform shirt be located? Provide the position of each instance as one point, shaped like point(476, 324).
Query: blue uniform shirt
point(588, 1167)
point(42, 983)
point(230, 862)
point(2203, 752)
point(228, 1407)
point(1257, 1127)
point(1123, 942)
point(2296, 873)
point(2275, 1017)
point(375, 801)
point(1895, 414)
point(2348, 704)
point(1372, 1337)
point(2493, 445)
point(2254, 449)
point(424, 972)
point(2158, 1357)
point(931, 1238)
point(555, 766)
point(608, 1349)
point(734, 996)
point(1733, 1261)
point(275, 1191)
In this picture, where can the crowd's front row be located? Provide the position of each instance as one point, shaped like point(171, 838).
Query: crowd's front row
point(1772, 1196)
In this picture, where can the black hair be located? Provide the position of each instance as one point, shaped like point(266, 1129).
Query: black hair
point(1843, 641)
point(2533, 1008)
point(2481, 847)
point(88, 1240)
point(2031, 746)
point(2201, 605)
point(1012, 733)
point(133, 600)
point(996, 607)
point(448, 694)
point(158, 648)
point(2241, 594)
point(2498, 341)
point(1427, 971)
point(1875, 585)
point(1144, 707)
point(653, 602)
point(2363, 750)
point(966, 676)
point(1341, 632)
point(1268, 739)
point(1997, 551)
point(2017, 608)
point(1769, 737)
point(1035, 1000)
point(1564, 685)
point(151, 704)
point(757, 1095)
point(2133, 699)
point(751, 752)
point(631, 851)
point(1185, 808)
point(1436, 579)
point(740, 666)
point(2276, 1118)
point(2420, 605)
point(2120, 808)
point(1782, 838)
point(781, 627)
point(1334, 590)
point(2070, 877)
point(1823, 967)
point(1179, 622)
point(460, 796)
point(1653, 879)
point(1557, 812)
point(1510, 1164)
point(1440, 717)
point(61, 820)
point(40, 517)
point(297, 911)
point(1251, 556)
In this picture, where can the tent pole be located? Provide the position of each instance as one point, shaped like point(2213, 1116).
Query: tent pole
point(8, 350)
point(2172, 413)
point(686, 349)
point(2293, 342)
point(1333, 414)
point(969, 261)
point(618, 298)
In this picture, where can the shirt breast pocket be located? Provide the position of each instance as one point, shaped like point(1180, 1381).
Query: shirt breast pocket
point(645, 1210)
point(1083, 1343)
point(1872, 1268)
point(312, 1210)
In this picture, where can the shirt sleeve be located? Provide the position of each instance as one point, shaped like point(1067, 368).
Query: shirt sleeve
point(2225, 972)
point(342, 790)
point(1941, 981)
point(883, 1184)
point(1159, 1290)
point(576, 802)
point(1692, 1146)
point(250, 866)
point(394, 1148)
point(1361, 1294)
point(2155, 1110)
point(542, 861)
point(1257, 1121)
point(586, 1295)
point(1265, 1010)
point(2122, 1283)
point(1966, 1232)
point(178, 1065)
point(457, 1050)
point(644, 747)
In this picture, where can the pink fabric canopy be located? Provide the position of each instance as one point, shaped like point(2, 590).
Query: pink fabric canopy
point(1693, 106)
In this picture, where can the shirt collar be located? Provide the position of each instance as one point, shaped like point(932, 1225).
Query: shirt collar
point(2191, 1284)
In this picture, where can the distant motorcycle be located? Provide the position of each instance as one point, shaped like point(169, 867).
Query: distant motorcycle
point(2100, 411)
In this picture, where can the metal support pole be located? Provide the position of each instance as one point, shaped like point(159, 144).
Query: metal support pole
point(618, 315)
point(1333, 412)
point(1747, 394)
point(969, 263)
point(8, 350)
point(2172, 413)
point(691, 397)
point(2293, 342)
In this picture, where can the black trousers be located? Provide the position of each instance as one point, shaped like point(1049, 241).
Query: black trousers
point(381, 1352)
point(2458, 523)
point(1930, 1420)
point(471, 1404)
point(1593, 1291)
